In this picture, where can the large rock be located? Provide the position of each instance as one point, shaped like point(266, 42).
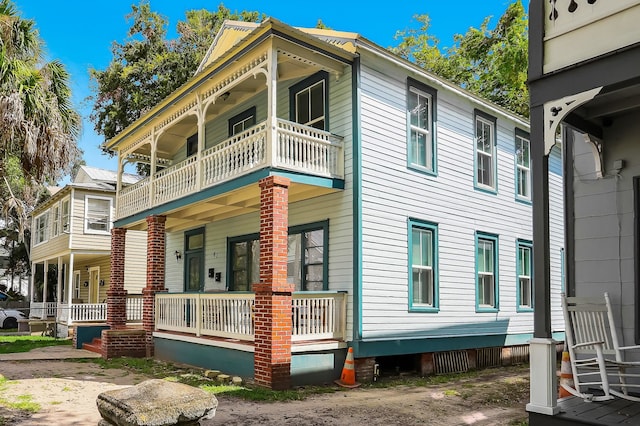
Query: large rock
point(154, 403)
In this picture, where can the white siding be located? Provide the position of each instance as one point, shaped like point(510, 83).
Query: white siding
point(392, 193)
point(604, 223)
point(135, 261)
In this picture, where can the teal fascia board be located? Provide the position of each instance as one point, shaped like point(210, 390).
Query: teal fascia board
point(231, 185)
point(376, 348)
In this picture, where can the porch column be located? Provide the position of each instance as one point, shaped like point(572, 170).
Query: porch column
point(59, 287)
point(44, 289)
point(155, 275)
point(117, 295)
point(542, 348)
point(272, 357)
point(70, 275)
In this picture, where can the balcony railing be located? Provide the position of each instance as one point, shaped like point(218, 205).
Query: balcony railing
point(315, 316)
point(295, 147)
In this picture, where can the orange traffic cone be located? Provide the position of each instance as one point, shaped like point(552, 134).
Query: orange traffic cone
point(566, 376)
point(348, 376)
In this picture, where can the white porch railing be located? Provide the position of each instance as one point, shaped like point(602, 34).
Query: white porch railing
point(87, 312)
point(295, 147)
point(315, 316)
point(42, 310)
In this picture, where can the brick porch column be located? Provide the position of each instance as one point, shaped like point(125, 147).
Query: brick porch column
point(155, 275)
point(272, 357)
point(117, 295)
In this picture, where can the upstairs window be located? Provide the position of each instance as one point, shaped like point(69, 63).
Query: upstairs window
point(523, 171)
point(55, 221)
point(420, 112)
point(308, 100)
point(65, 215)
point(97, 215)
point(242, 121)
point(41, 226)
point(192, 145)
point(485, 137)
point(486, 271)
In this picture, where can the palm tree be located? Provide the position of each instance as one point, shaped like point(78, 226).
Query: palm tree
point(38, 125)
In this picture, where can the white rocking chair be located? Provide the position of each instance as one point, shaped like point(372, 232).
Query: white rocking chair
point(593, 347)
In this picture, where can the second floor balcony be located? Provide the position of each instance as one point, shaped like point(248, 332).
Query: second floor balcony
point(284, 145)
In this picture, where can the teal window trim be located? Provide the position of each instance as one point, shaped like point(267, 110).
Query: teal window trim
point(420, 225)
point(482, 238)
point(423, 91)
point(305, 84)
point(480, 117)
point(248, 115)
point(526, 245)
point(293, 230)
point(522, 169)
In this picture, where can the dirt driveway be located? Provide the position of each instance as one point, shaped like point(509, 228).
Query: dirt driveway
point(67, 391)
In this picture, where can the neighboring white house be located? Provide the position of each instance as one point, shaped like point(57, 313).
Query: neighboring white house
point(71, 239)
point(405, 193)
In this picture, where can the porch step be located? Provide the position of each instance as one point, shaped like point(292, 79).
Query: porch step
point(94, 346)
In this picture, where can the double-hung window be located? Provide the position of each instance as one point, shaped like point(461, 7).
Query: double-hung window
point(307, 257)
point(308, 100)
point(41, 228)
point(485, 138)
point(523, 166)
point(423, 268)
point(486, 271)
point(55, 220)
point(241, 122)
point(65, 215)
point(525, 293)
point(97, 215)
point(421, 112)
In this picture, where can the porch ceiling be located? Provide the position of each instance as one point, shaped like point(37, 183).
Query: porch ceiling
point(230, 204)
point(611, 103)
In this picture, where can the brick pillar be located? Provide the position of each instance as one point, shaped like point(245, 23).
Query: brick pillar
point(117, 295)
point(272, 357)
point(155, 275)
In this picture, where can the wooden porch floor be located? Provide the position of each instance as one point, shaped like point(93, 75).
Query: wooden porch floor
point(575, 411)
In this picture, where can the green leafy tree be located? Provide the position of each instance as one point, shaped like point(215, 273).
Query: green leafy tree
point(491, 62)
point(38, 126)
point(147, 67)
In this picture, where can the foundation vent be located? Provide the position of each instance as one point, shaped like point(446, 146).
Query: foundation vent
point(450, 362)
point(488, 357)
point(519, 354)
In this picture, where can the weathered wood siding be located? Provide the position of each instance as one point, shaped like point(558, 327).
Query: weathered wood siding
point(392, 193)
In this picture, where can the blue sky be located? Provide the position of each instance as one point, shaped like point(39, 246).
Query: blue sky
point(80, 33)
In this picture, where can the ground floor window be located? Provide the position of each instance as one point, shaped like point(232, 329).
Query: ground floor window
point(486, 271)
point(307, 257)
point(423, 289)
point(525, 293)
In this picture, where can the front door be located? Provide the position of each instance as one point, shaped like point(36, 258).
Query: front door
point(94, 281)
point(194, 260)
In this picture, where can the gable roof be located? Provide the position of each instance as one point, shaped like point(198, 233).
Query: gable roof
point(88, 174)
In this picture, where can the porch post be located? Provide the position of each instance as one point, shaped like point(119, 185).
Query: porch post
point(542, 348)
point(272, 357)
point(155, 275)
point(117, 295)
point(44, 289)
point(58, 287)
point(70, 275)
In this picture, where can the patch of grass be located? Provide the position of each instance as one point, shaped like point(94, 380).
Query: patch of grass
point(519, 422)
point(14, 344)
point(23, 403)
point(55, 402)
point(451, 392)
point(258, 394)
